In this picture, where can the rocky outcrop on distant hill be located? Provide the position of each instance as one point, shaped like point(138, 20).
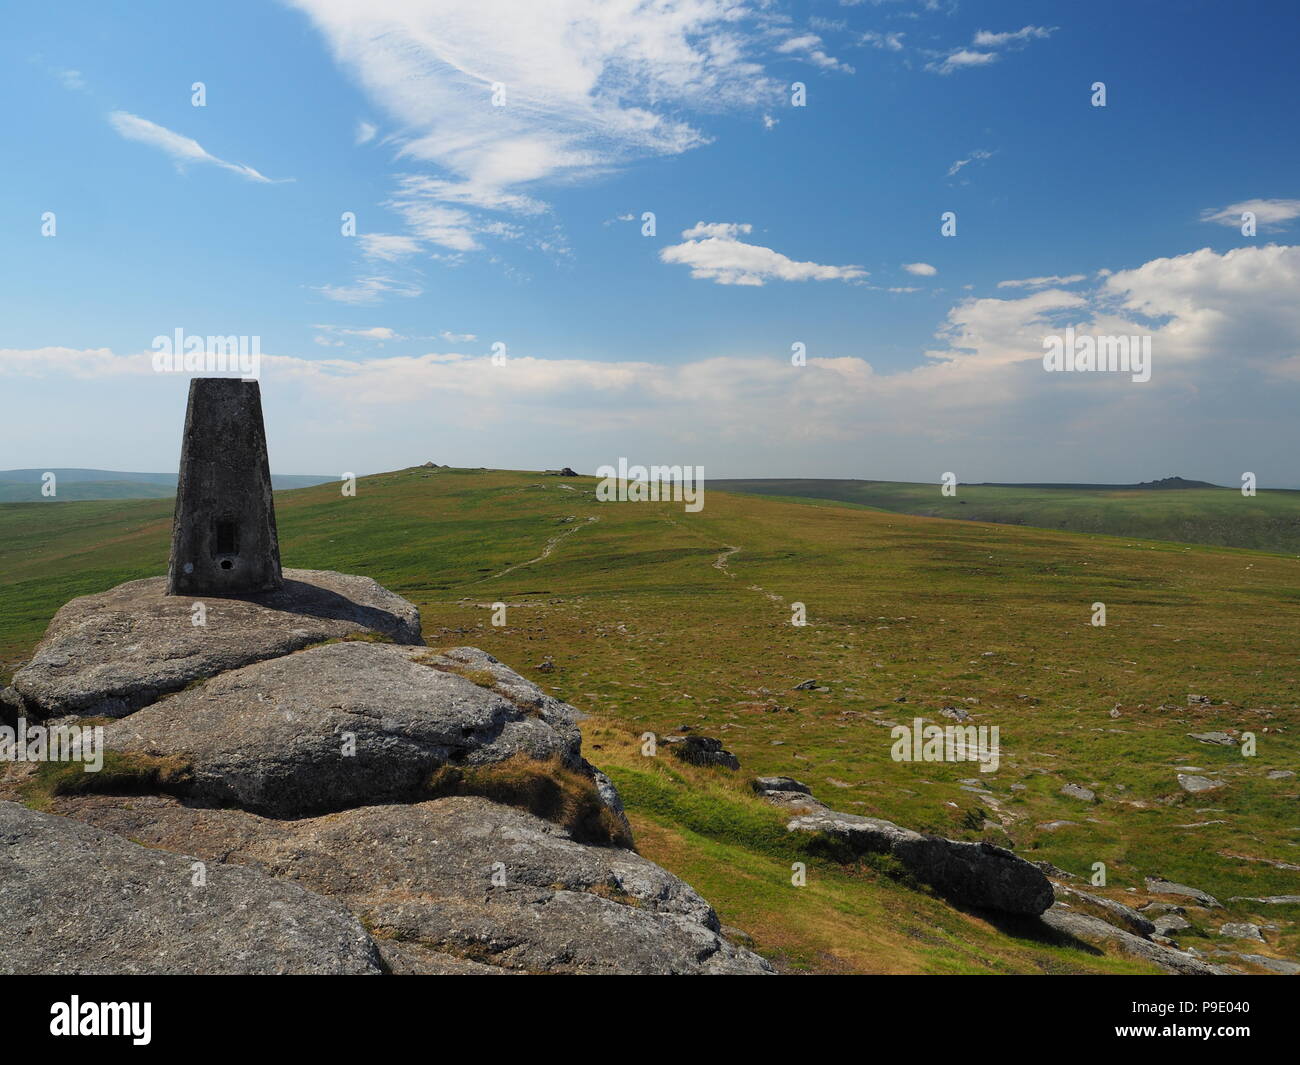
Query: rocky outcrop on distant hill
point(356, 806)
point(114, 652)
point(79, 900)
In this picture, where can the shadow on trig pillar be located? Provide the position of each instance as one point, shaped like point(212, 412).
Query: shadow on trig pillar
point(224, 540)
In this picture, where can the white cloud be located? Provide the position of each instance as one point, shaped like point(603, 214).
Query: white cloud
point(365, 132)
point(920, 269)
point(809, 45)
point(1226, 376)
point(986, 39)
point(965, 58)
point(376, 332)
point(388, 247)
point(978, 155)
point(890, 42)
point(590, 86)
point(369, 290)
point(1042, 282)
point(962, 59)
point(715, 253)
point(183, 150)
point(1270, 214)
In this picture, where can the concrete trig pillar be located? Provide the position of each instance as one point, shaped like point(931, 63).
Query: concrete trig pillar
point(224, 539)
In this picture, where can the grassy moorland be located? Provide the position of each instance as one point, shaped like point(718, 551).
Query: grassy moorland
point(657, 619)
point(1223, 517)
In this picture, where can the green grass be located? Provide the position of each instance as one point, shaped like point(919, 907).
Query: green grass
point(649, 631)
point(1267, 521)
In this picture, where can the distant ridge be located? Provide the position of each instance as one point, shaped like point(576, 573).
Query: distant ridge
point(77, 485)
point(1164, 483)
point(1172, 508)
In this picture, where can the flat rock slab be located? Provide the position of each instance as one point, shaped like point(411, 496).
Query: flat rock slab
point(1094, 930)
point(459, 884)
point(79, 900)
point(349, 723)
point(1190, 782)
point(974, 874)
point(1115, 912)
point(1156, 885)
point(112, 653)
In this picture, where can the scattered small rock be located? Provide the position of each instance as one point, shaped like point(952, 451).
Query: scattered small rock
point(1169, 923)
point(704, 751)
point(1220, 738)
point(1159, 886)
point(1241, 930)
point(1193, 784)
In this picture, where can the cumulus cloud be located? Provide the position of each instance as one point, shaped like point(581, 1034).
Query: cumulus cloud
point(1225, 334)
point(183, 150)
point(1270, 214)
point(920, 269)
point(715, 252)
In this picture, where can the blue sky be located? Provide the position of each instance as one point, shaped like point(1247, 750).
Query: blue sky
point(774, 225)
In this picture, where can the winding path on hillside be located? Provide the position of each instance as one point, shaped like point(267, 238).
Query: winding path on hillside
point(551, 545)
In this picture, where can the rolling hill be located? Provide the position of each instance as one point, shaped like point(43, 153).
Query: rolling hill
point(1191, 512)
point(76, 485)
point(653, 619)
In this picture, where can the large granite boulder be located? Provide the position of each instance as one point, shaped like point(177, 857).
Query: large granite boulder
point(459, 884)
point(973, 874)
point(349, 723)
point(78, 900)
point(115, 652)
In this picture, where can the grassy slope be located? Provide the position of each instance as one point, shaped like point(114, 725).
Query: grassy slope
point(654, 622)
point(1268, 521)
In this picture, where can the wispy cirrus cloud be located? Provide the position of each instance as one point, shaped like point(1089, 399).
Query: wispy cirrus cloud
point(1042, 282)
point(977, 156)
point(369, 290)
point(715, 252)
point(490, 104)
point(983, 49)
point(809, 46)
point(888, 42)
point(183, 150)
point(1269, 214)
